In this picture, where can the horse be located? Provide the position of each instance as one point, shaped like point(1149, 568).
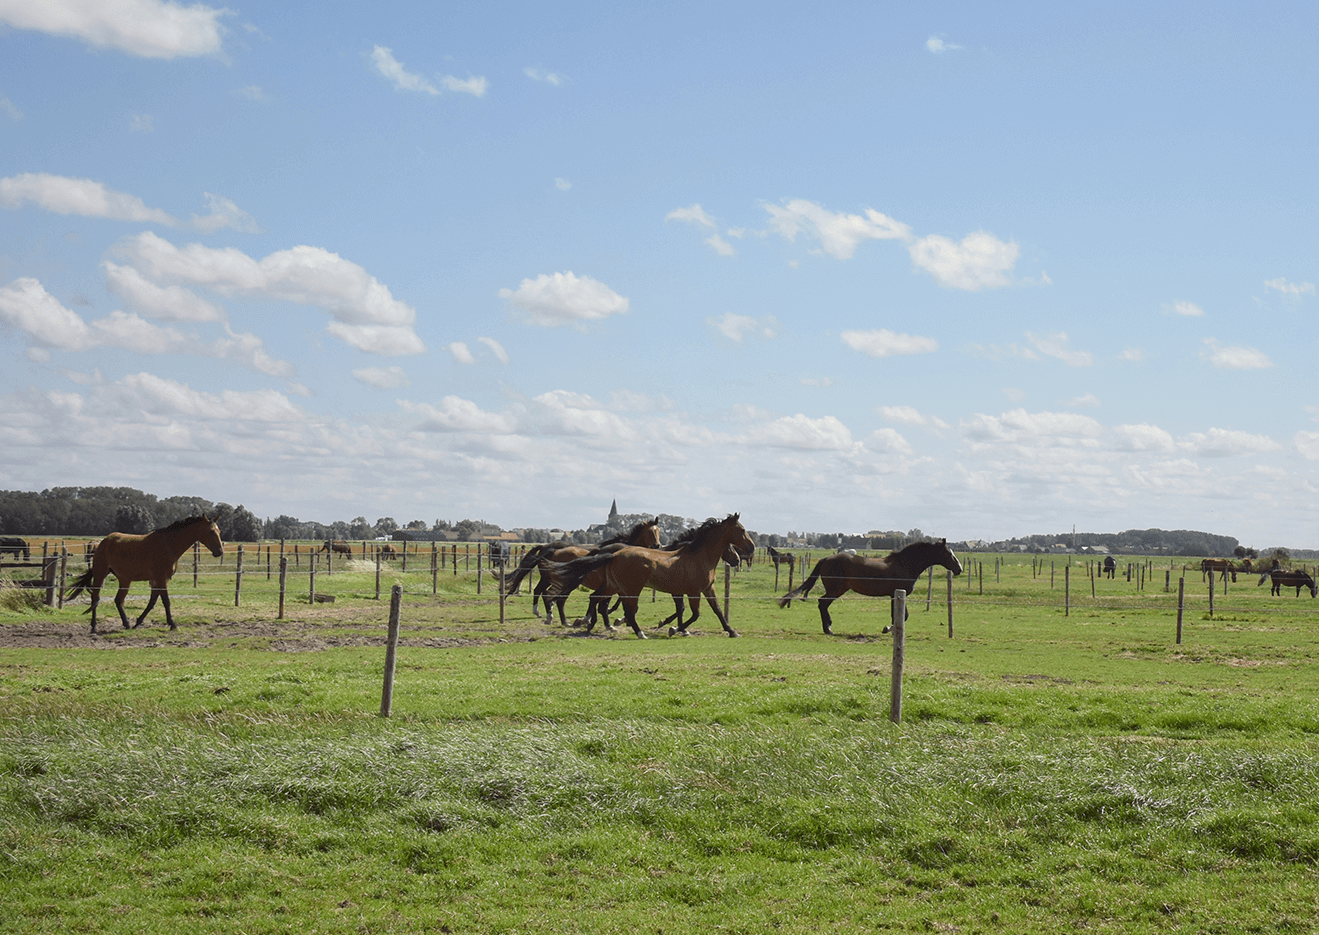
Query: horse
point(1291, 579)
point(153, 557)
point(387, 552)
point(731, 557)
point(873, 577)
point(779, 558)
point(642, 534)
point(1110, 566)
point(337, 545)
point(687, 571)
point(16, 545)
point(1218, 566)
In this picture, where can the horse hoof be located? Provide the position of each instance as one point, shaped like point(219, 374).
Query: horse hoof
point(641, 635)
point(828, 631)
point(732, 634)
point(886, 630)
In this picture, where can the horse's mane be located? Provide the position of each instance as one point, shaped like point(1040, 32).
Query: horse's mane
point(184, 523)
point(908, 551)
point(630, 534)
point(695, 537)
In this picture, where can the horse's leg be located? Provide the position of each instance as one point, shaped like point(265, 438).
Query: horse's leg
point(95, 592)
point(825, 620)
point(714, 605)
point(155, 595)
point(119, 604)
point(678, 607)
point(164, 600)
point(630, 616)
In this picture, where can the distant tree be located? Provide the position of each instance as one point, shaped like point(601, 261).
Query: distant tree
point(385, 526)
point(533, 534)
point(467, 529)
point(134, 518)
point(417, 524)
point(243, 526)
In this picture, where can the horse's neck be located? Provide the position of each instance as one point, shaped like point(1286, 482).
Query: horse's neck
point(914, 566)
point(712, 550)
point(178, 541)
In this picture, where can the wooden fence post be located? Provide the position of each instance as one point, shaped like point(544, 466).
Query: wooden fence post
point(435, 569)
point(283, 578)
point(728, 590)
point(64, 567)
point(950, 604)
point(929, 588)
point(1067, 590)
point(49, 564)
point(1211, 596)
point(391, 650)
point(238, 577)
point(377, 574)
point(311, 565)
point(196, 550)
point(1181, 605)
point(899, 611)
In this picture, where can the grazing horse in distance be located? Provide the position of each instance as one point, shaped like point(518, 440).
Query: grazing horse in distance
point(687, 571)
point(1218, 566)
point(16, 545)
point(387, 552)
point(337, 545)
point(873, 577)
point(153, 557)
point(1110, 566)
point(779, 558)
point(1290, 579)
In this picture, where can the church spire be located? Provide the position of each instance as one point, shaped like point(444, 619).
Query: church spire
point(613, 511)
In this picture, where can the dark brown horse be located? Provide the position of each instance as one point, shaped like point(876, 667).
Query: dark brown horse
point(688, 571)
point(153, 557)
point(16, 545)
point(642, 534)
point(1220, 566)
point(779, 558)
point(337, 545)
point(873, 577)
point(388, 552)
point(731, 557)
point(1110, 566)
point(1291, 578)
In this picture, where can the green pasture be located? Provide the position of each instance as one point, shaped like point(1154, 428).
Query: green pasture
point(1057, 768)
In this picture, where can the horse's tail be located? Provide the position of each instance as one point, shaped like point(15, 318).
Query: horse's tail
point(84, 581)
point(529, 561)
point(804, 588)
point(566, 576)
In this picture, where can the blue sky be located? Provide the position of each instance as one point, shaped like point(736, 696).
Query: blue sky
point(981, 270)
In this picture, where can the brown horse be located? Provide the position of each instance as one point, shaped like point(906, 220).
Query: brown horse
point(1290, 579)
point(873, 577)
point(688, 571)
point(779, 558)
point(642, 534)
point(337, 545)
point(153, 557)
point(388, 552)
point(1218, 566)
point(731, 557)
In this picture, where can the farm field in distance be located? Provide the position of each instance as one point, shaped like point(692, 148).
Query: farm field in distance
point(1056, 768)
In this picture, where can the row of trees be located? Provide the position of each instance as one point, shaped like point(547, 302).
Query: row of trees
point(95, 511)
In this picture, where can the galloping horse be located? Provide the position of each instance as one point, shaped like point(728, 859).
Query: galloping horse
point(1289, 579)
point(731, 557)
point(642, 534)
point(688, 571)
point(1218, 566)
point(153, 557)
point(337, 545)
point(873, 577)
point(16, 545)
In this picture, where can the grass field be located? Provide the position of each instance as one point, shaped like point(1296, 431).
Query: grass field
point(1054, 770)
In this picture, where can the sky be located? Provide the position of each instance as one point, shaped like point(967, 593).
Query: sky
point(985, 270)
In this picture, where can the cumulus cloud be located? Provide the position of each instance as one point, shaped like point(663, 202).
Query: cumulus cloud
point(889, 441)
point(1084, 401)
point(224, 213)
point(383, 378)
point(455, 414)
point(1055, 345)
point(1020, 426)
point(564, 298)
point(1230, 357)
point(838, 233)
point(461, 353)
point(1289, 288)
point(495, 348)
point(404, 80)
point(170, 303)
point(64, 195)
point(146, 28)
point(979, 261)
point(698, 215)
point(1224, 443)
point(163, 397)
point(1186, 309)
point(563, 185)
point(1143, 437)
point(881, 342)
point(366, 315)
point(540, 74)
point(740, 327)
point(801, 432)
point(907, 415)
point(939, 46)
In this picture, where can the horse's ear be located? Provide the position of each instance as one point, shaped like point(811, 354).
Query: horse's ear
point(943, 541)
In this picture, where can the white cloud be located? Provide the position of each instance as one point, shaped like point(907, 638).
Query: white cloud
point(564, 298)
point(1085, 401)
point(85, 197)
point(802, 432)
point(1307, 444)
point(162, 397)
point(252, 92)
point(739, 327)
point(1018, 425)
point(171, 303)
point(1015, 394)
point(1131, 353)
point(838, 233)
point(147, 28)
point(1224, 443)
point(696, 214)
point(721, 246)
point(816, 381)
point(890, 441)
point(562, 185)
point(539, 74)
point(7, 106)
point(365, 314)
point(403, 79)
point(495, 348)
point(224, 213)
point(142, 123)
point(907, 415)
point(1290, 288)
point(938, 46)
point(383, 378)
point(1186, 309)
point(884, 343)
point(1231, 357)
point(1143, 437)
point(1055, 345)
point(461, 353)
point(980, 261)
point(473, 86)
point(455, 414)
point(27, 306)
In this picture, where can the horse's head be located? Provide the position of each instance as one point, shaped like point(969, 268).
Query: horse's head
point(649, 536)
point(739, 538)
point(211, 537)
point(947, 559)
